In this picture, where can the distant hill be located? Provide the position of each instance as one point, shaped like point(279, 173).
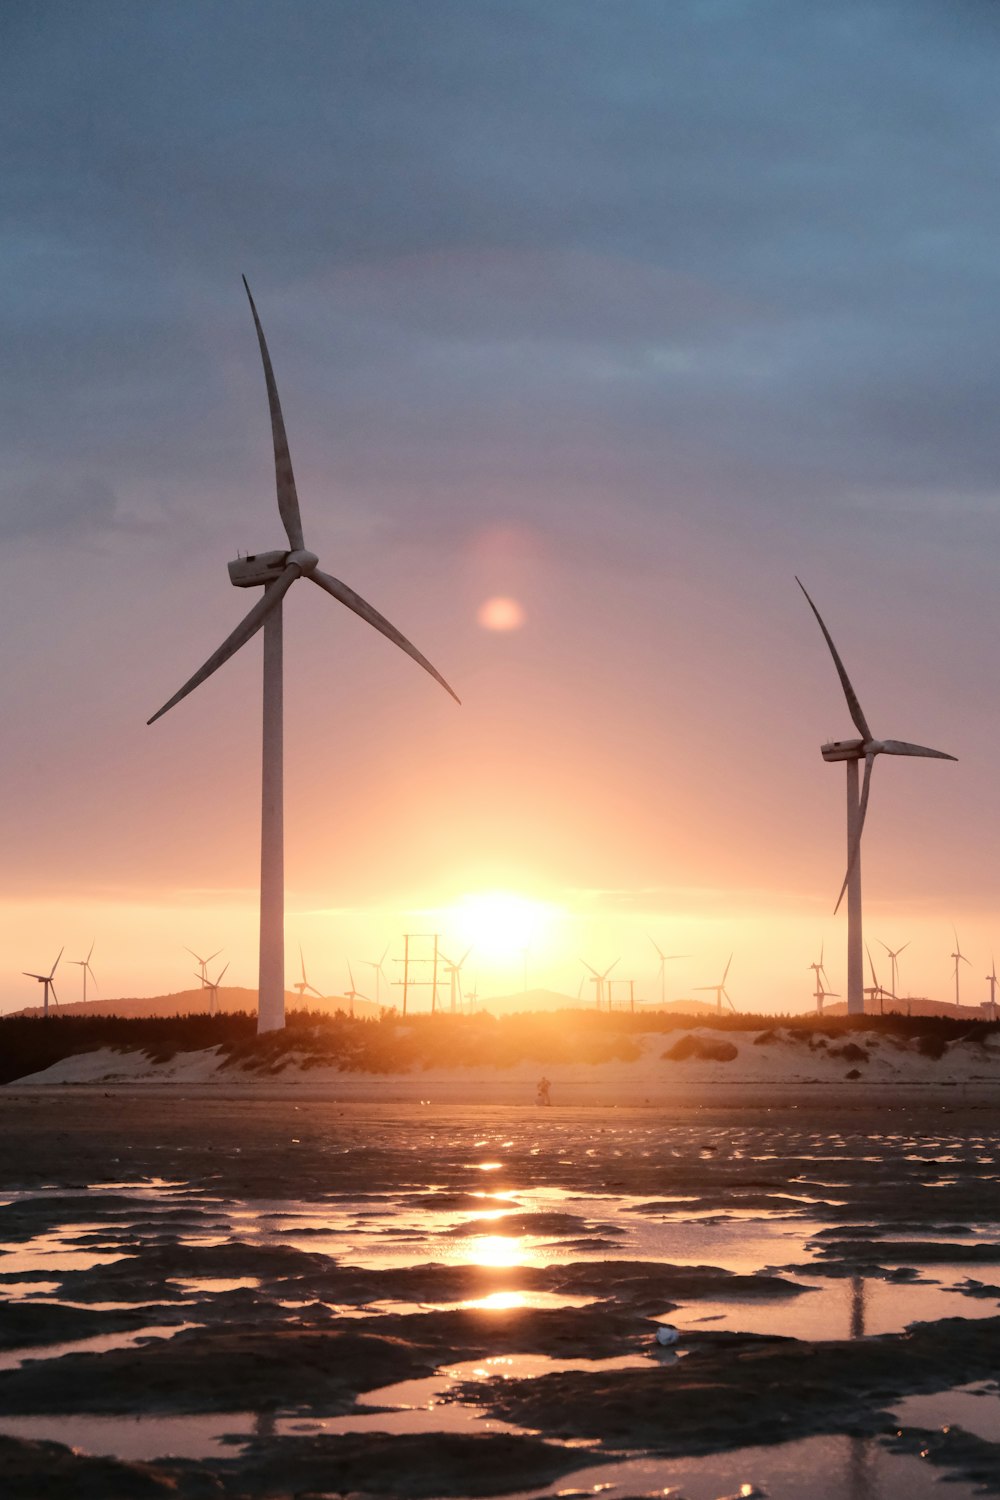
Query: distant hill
point(195, 1002)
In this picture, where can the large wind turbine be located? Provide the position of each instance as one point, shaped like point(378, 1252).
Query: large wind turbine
point(275, 572)
point(46, 979)
point(84, 964)
point(853, 752)
point(665, 958)
point(352, 994)
point(720, 989)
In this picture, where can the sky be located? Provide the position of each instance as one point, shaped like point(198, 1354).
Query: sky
point(624, 314)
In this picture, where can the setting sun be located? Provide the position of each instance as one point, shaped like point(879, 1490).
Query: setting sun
point(499, 925)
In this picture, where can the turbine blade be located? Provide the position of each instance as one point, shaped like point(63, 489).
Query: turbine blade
point(385, 955)
point(56, 964)
point(904, 947)
point(852, 854)
point(592, 970)
point(610, 967)
point(726, 970)
point(659, 952)
point(361, 607)
point(221, 972)
point(860, 722)
point(40, 977)
point(247, 627)
point(53, 989)
point(902, 747)
point(288, 500)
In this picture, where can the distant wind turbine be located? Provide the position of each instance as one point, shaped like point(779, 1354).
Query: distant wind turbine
point(853, 752)
point(991, 980)
point(352, 994)
point(720, 988)
point(276, 572)
point(46, 979)
point(893, 956)
point(822, 979)
point(599, 981)
point(84, 964)
point(876, 991)
point(303, 986)
point(379, 967)
point(665, 958)
point(212, 985)
point(204, 963)
point(959, 957)
point(454, 973)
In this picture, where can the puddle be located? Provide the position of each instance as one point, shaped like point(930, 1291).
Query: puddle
point(822, 1468)
point(847, 1308)
point(974, 1407)
point(99, 1343)
point(140, 1438)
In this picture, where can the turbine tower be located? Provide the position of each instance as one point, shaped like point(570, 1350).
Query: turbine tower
point(893, 956)
point(852, 752)
point(991, 980)
point(454, 973)
point(84, 964)
point(720, 989)
point(599, 981)
point(46, 979)
point(379, 967)
point(275, 572)
point(665, 958)
point(212, 985)
point(959, 957)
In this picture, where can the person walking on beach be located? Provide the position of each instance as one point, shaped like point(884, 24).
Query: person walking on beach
point(543, 1090)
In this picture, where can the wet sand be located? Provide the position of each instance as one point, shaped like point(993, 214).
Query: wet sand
point(281, 1263)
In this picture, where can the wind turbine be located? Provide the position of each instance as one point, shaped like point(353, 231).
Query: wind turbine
point(352, 994)
point(893, 956)
point(84, 964)
point(599, 980)
point(876, 991)
point(378, 966)
point(720, 989)
point(276, 572)
point(991, 980)
point(204, 962)
point(822, 978)
point(212, 985)
point(853, 752)
point(303, 986)
point(959, 957)
point(46, 979)
point(665, 958)
point(454, 973)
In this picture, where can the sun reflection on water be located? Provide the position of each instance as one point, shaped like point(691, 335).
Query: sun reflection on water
point(496, 1250)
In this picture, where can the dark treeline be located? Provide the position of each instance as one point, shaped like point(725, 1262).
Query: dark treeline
point(392, 1044)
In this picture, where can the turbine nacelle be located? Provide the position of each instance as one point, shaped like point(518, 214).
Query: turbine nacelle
point(261, 568)
point(837, 749)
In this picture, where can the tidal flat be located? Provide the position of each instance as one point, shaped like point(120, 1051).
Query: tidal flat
point(266, 1294)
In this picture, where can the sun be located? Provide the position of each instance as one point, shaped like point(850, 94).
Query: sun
point(500, 925)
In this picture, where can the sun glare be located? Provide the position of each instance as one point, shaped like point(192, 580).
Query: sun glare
point(500, 925)
point(500, 614)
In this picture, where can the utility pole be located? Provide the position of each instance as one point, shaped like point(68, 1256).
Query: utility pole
point(411, 962)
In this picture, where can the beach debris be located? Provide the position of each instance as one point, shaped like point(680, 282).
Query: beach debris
point(667, 1334)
